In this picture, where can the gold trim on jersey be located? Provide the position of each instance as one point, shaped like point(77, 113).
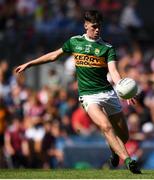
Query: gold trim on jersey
point(86, 60)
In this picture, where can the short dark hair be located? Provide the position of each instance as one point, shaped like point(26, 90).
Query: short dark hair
point(93, 16)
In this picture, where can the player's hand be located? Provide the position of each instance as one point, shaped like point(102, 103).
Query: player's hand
point(131, 101)
point(21, 68)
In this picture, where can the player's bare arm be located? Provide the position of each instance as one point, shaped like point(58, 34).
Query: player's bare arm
point(114, 72)
point(50, 57)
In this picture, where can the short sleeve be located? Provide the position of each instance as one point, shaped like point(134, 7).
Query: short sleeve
point(67, 46)
point(111, 55)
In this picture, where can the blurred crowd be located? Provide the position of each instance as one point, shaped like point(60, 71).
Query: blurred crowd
point(35, 123)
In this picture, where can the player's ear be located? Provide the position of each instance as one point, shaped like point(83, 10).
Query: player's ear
point(86, 25)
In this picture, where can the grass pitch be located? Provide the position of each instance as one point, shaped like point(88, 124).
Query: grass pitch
point(73, 174)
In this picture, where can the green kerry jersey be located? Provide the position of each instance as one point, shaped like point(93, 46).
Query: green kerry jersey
point(91, 59)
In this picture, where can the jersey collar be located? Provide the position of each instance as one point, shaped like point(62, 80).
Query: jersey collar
point(91, 40)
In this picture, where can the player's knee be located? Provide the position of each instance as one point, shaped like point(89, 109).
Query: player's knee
point(106, 128)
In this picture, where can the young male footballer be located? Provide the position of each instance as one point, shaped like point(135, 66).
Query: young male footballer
point(94, 58)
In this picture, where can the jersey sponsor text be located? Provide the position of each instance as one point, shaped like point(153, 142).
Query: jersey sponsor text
point(89, 60)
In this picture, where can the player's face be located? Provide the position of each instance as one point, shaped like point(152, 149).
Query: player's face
point(93, 30)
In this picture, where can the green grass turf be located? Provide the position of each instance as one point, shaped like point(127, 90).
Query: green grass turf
point(73, 174)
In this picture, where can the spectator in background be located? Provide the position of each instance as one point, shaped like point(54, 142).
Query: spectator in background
point(130, 19)
point(131, 64)
point(3, 120)
point(51, 108)
point(114, 32)
point(129, 16)
point(66, 102)
point(16, 146)
point(14, 101)
point(66, 109)
point(27, 6)
point(149, 102)
point(109, 6)
point(53, 79)
point(52, 156)
point(44, 95)
point(4, 65)
point(69, 69)
point(34, 111)
point(33, 108)
point(87, 3)
point(4, 86)
point(3, 124)
point(66, 126)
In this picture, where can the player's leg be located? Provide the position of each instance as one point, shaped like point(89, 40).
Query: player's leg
point(101, 119)
point(112, 106)
point(119, 124)
point(120, 127)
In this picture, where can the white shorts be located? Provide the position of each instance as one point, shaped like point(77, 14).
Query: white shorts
point(109, 102)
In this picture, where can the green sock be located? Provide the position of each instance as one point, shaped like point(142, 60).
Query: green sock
point(127, 161)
